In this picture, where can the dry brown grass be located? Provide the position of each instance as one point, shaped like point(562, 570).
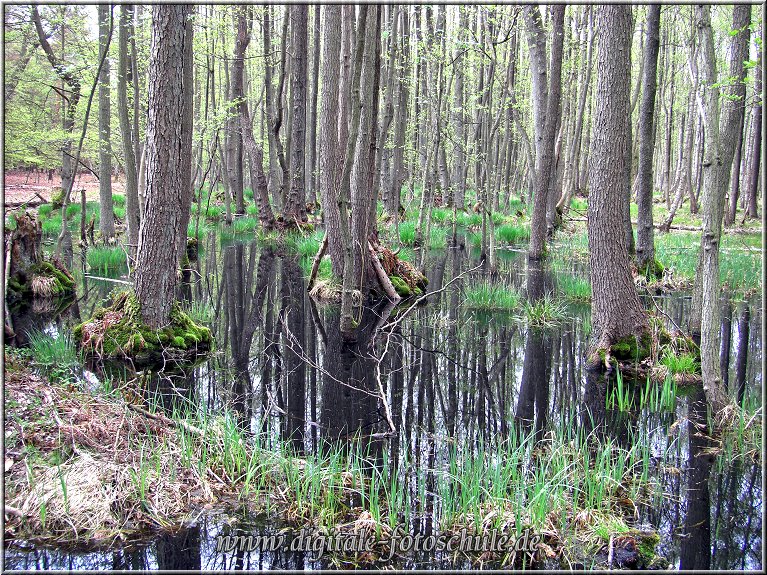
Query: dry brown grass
point(75, 462)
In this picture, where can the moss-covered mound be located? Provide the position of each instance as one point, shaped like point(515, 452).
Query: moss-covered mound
point(117, 332)
point(42, 280)
point(407, 280)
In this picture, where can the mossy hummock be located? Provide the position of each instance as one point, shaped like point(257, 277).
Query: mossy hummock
point(118, 332)
point(405, 278)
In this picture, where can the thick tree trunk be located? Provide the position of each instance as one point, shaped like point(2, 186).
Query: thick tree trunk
point(616, 310)
point(131, 169)
point(156, 263)
point(106, 208)
point(344, 201)
point(645, 247)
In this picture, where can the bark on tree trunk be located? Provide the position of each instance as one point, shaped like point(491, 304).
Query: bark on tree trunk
point(160, 229)
point(617, 312)
point(756, 144)
point(546, 105)
point(330, 151)
point(106, 209)
point(131, 169)
point(295, 211)
point(645, 247)
point(719, 150)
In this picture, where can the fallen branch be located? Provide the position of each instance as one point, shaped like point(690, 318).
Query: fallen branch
point(317, 261)
point(386, 283)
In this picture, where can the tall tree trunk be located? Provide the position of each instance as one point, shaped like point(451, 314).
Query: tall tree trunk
point(575, 148)
point(187, 129)
point(400, 119)
point(719, 150)
point(330, 151)
point(275, 145)
point(311, 122)
point(546, 107)
point(295, 210)
point(617, 312)
point(344, 202)
point(156, 264)
point(756, 142)
point(458, 115)
point(131, 169)
point(645, 247)
point(237, 92)
point(106, 208)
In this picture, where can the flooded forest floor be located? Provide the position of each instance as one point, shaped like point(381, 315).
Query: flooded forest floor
point(499, 426)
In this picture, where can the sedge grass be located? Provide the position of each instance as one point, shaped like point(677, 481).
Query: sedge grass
point(543, 312)
point(105, 259)
point(574, 288)
point(492, 297)
point(511, 234)
point(680, 363)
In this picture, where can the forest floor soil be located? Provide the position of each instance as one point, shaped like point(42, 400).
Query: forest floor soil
point(20, 186)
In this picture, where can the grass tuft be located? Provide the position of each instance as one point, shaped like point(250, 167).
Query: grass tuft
point(491, 297)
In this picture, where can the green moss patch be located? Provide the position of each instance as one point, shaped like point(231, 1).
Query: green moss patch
point(118, 332)
point(41, 280)
point(632, 348)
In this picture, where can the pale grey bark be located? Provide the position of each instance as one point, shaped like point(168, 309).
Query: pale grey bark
point(106, 207)
point(645, 247)
point(129, 151)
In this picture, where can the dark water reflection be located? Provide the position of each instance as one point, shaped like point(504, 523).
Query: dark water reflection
point(451, 376)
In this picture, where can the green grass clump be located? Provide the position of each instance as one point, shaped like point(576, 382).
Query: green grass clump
point(118, 200)
point(491, 297)
point(575, 288)
point(468, 219)
point(193, 232)
point(44, 210)
point(407, 233)
point(252, 210)
point(52, 225)
point(544, 312)
point(324, 272)
point(512, 233)
point(119, 212)
point(441, 215)
point(579, 204)
point(104, 259)
point(681, 363)
point(246, 225)
point(305, 246)
point(74, 210)
point(56, 356)
point(437, 238)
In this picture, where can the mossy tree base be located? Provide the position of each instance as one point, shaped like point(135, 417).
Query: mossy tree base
point(30, 275)
point(118, 332)
point(652, 270)
point(641, 358)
